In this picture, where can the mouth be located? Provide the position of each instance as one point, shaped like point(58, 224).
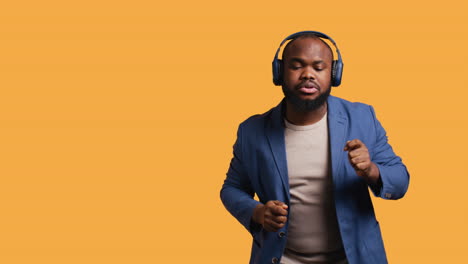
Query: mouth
point(308, 88)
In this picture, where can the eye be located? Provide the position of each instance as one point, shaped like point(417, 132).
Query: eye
point(319, 67)
point(295, 66)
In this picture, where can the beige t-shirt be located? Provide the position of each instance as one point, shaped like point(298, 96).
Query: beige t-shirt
point(313, 233)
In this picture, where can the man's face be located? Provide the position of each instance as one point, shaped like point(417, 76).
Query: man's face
point(307, 65)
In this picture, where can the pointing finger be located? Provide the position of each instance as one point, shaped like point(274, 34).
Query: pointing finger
point(352, 144)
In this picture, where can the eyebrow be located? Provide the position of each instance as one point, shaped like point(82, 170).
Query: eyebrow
point(296, 59)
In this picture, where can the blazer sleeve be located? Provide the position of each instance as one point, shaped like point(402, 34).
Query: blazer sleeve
point(393, 173)
point(237, 192)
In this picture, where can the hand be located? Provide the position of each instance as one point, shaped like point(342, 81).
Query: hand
point(360, 159)
point(272, 215)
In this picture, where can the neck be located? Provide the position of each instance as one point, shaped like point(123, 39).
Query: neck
point(303, 118)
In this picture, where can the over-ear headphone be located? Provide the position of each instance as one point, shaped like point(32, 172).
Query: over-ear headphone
point(337, 65)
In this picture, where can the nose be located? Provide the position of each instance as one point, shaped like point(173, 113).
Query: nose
point(308, 74)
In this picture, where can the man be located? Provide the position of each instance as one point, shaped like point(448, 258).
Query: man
point(311, 161)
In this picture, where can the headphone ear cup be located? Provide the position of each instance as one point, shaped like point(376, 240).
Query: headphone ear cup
point(333, 73)
point(277, 71)
point(337, 71)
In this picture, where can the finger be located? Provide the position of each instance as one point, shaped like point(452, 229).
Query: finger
point(359, 159)
point(355, 160)
point(272, 226)
point(352, 144)
point(353, 153)
point(363, 166)
point(277, 210)
point(346, 148)
point(356, 153)
point(281, 204)
point(280, 219)
point(267, 226)
point(270, 204)
point(355, 143)
point(362, 151)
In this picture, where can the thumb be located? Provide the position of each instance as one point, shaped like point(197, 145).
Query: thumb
point(346, 148)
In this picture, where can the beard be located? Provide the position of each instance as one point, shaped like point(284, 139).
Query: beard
point(305, 105)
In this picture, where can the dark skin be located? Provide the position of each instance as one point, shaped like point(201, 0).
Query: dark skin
point(307, 63)
point(307, 72)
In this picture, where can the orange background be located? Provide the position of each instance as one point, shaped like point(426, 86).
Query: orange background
point(117, 120)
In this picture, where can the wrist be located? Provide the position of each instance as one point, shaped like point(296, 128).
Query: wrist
point(258, 214)
point(374, 174)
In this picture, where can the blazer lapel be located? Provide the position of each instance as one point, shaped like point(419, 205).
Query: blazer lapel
point(275, 136)
point(337, 129)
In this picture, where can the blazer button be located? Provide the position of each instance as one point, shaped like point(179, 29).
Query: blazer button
point(274, 260)
point(281, 234)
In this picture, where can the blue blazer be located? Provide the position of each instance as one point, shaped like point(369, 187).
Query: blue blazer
point(259, 167)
